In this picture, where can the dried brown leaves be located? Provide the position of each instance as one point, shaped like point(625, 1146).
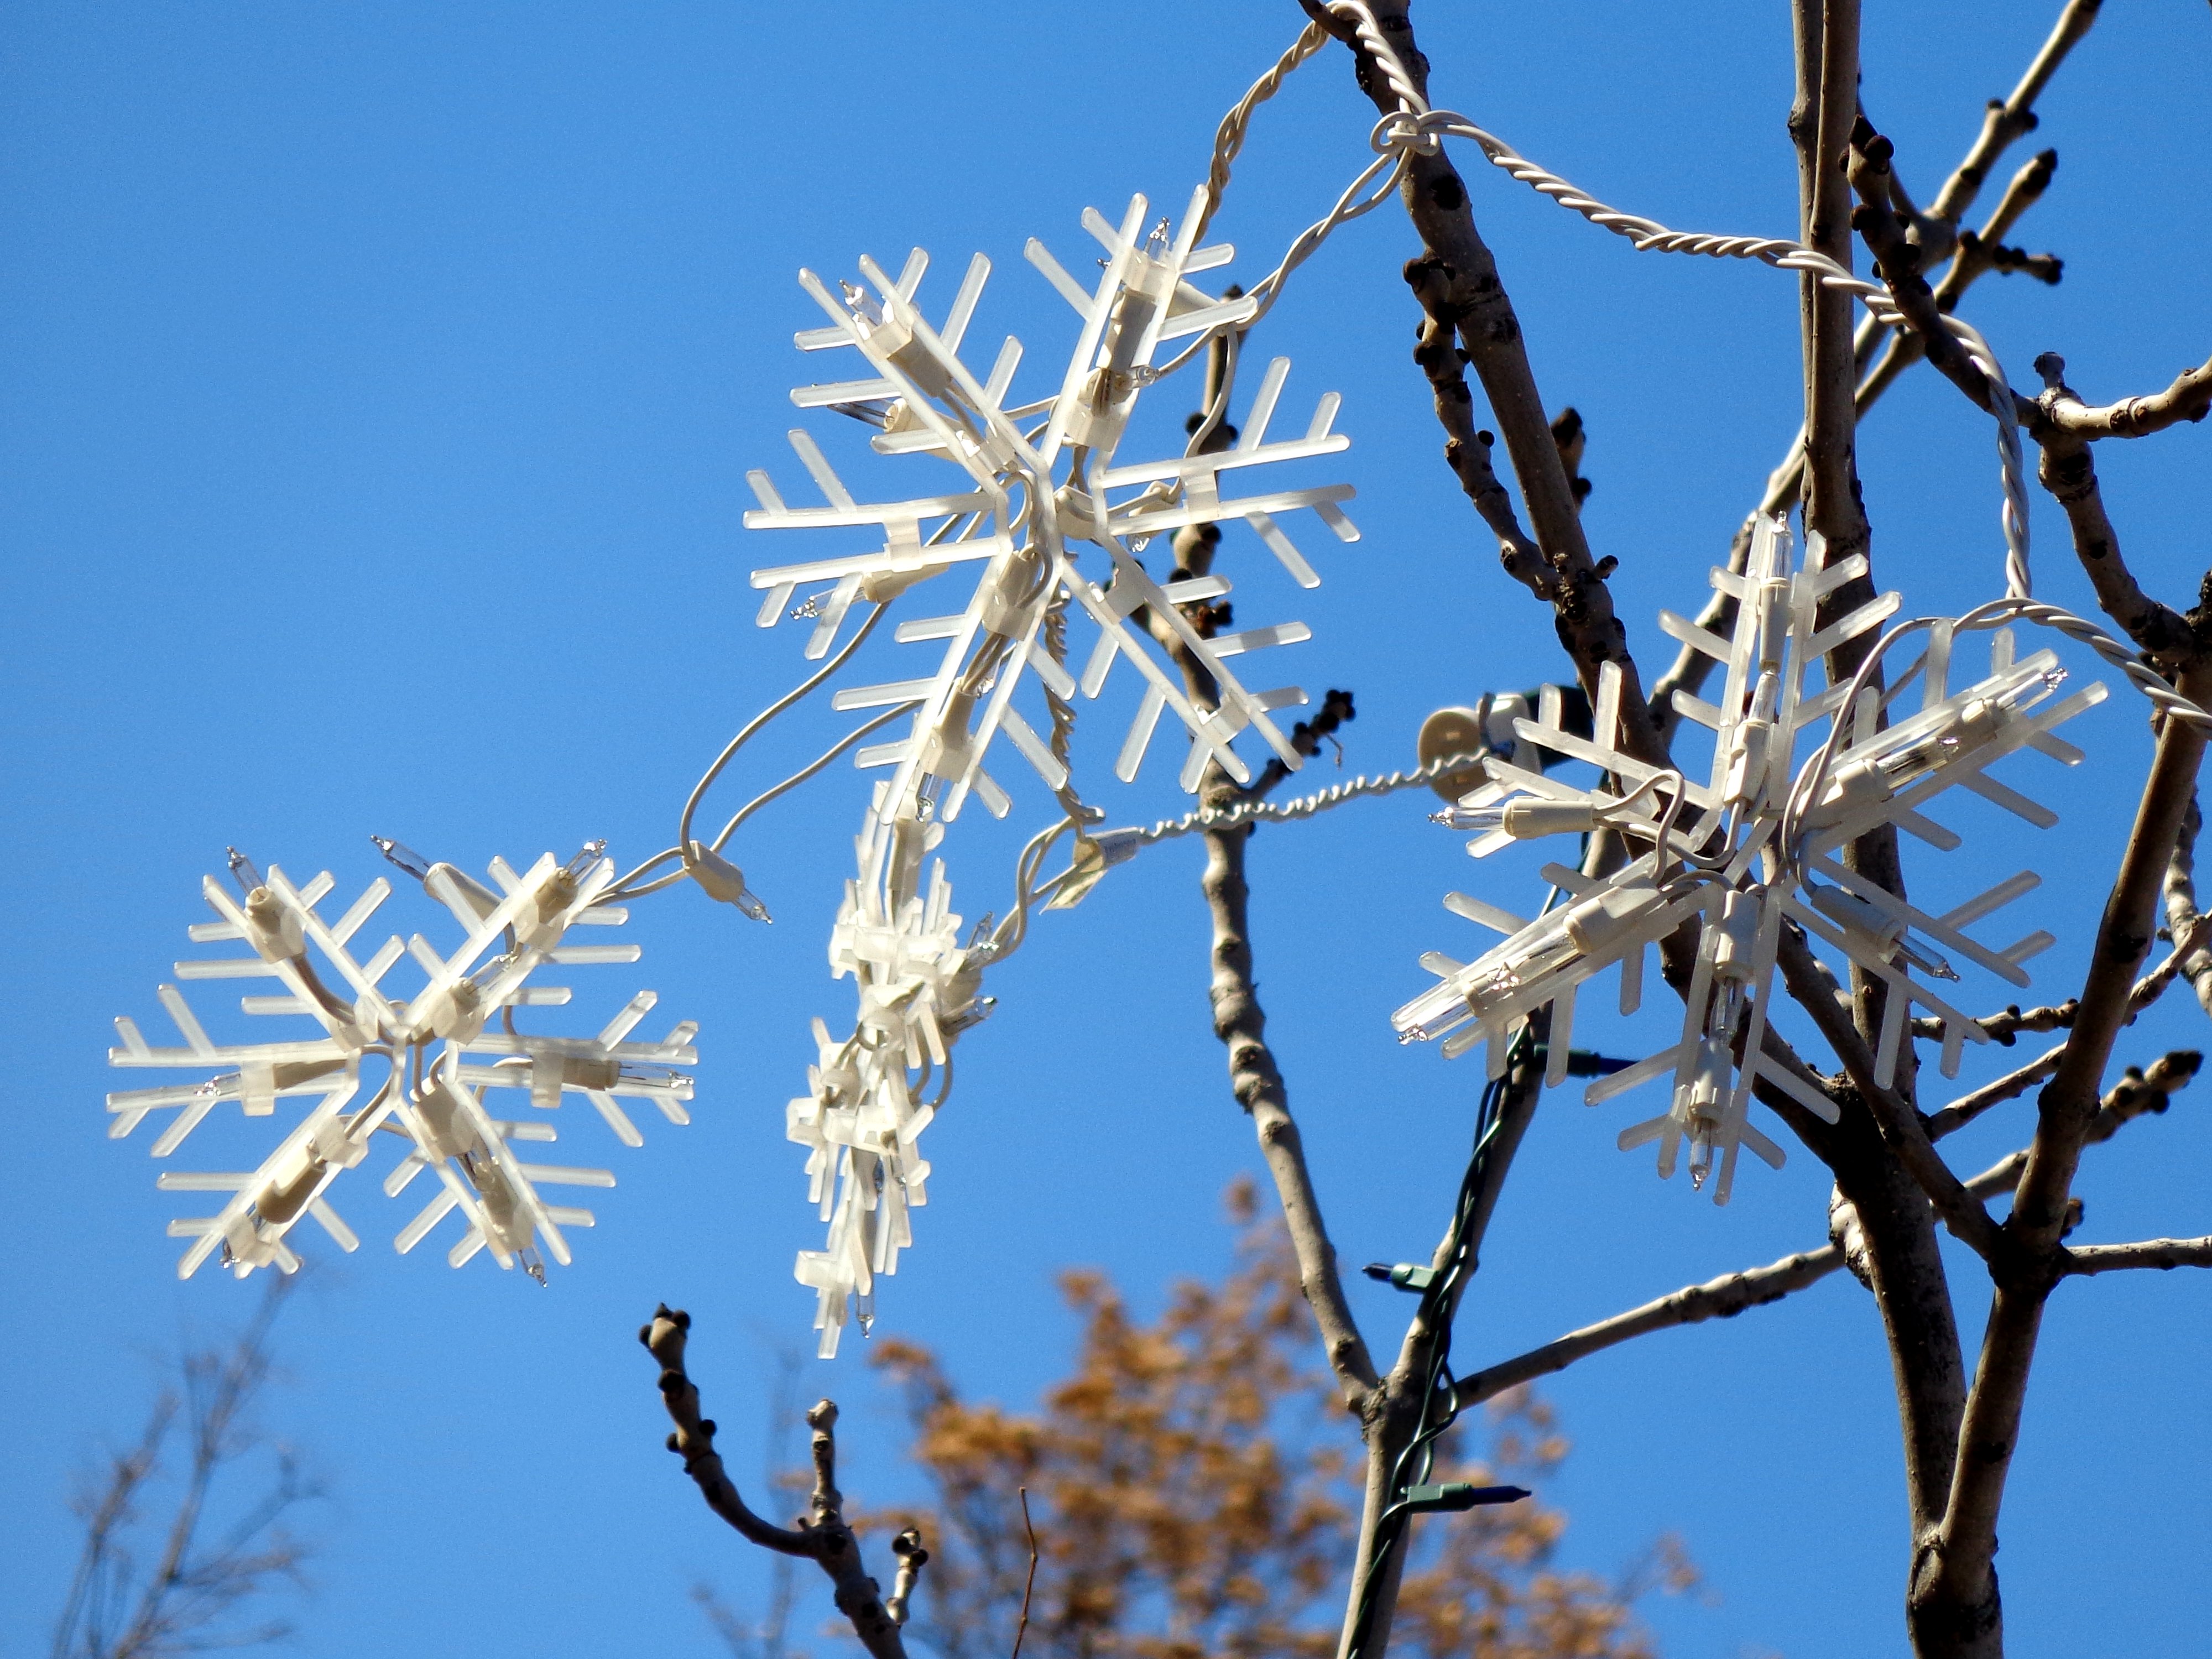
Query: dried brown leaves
point(1195, 1493)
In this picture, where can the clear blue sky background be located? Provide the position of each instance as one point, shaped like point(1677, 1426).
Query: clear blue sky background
point(378, 383)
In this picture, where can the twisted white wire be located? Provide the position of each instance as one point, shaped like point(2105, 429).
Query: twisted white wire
point(1229, 137)
point(1418, 128)
point(2154, 686)
point(1305, 806)
point(1648, 236)
point(1385, 57)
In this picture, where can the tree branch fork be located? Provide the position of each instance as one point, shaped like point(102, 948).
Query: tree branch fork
point(823, 1535)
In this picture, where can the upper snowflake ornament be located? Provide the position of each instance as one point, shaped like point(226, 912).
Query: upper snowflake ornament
point(1751, 850)
point(1044, 480)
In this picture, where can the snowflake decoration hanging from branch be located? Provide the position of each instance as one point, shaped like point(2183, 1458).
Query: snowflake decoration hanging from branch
point(1751, 850)
point(1042, 478)
point(1053, 522)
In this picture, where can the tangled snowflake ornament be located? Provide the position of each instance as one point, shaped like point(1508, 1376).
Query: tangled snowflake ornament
point(1046, 523)
point(440, 1051)
point(862, 1118)
point(1751, 850)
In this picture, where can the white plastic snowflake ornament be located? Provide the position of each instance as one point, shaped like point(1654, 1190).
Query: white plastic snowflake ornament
point(1755, 842)
point(432, 1099)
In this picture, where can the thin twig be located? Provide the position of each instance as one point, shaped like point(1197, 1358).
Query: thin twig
point(826, 1540)
point(2164, 1252)
point(1717, 1298)
point(2014, 1083)
point(2182, 921)
point(1029, 1583)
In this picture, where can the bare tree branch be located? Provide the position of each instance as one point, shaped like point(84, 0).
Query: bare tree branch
point(2014, 117)
point(1257, 1082)
point(825, 1538)
point(2067, 470)
point(2182, 921)
point(2164, 1252)
point(1456, 281)
point(1717, 1298)
point(2139, 1093)
point(1397, 1407)
point(912, 1558)
point(1902, 1128)
point(2016, 1082)
point(1959, 1560)
point(184, 1603)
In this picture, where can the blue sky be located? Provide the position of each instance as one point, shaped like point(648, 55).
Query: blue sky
point(379, 384)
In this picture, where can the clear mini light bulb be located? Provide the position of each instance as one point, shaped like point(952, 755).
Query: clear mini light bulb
point(1704, 1105)
point(1524, 817)
point(1875, 779)
point(1886, 935)
point(722, 880)
point(405, 857)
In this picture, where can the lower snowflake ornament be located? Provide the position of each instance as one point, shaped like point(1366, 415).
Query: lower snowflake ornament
point(862, 1117)
point(1752, 852)
point(433, 1101)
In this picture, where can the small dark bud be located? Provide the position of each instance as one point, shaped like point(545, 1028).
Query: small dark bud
point(673, 1446)
point(1485, 439)
point(707, 1428)
point(1607, 565)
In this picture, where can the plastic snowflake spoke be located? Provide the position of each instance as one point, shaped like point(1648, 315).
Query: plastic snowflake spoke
point(1748, 851)
point(495, 1193)
point(512, 929)
point(862, 1118)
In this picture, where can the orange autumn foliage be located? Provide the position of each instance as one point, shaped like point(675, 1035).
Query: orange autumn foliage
point(1196, 1493)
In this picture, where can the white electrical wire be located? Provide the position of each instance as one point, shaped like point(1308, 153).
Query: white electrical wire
point(1416, 129)
point(1305, 806)
point(1229, 138)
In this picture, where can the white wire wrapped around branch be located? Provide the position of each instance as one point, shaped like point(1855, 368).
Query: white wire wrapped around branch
point(1649, 236)
point(2145, 680)
point(1416, 128)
